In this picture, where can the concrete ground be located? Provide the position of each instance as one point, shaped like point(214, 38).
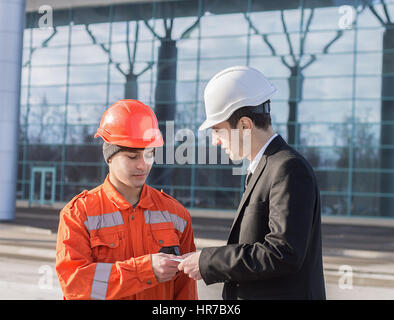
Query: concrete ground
point(36, 280)
point(358, 257)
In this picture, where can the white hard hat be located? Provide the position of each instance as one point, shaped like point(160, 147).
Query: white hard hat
point(231, 89)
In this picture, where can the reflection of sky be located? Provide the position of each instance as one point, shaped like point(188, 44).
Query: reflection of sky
point(328, 85)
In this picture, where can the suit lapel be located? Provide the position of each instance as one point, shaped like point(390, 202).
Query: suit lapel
point(249, 188)
point(272, 148)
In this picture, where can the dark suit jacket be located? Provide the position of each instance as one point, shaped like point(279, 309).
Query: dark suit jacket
point(274, 248)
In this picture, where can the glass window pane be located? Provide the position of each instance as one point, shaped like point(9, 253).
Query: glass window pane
point(226, 24)
point(88, 73)
point(333, 205)
point(185, 91)
point(186, 70)
point(49, 56)
point(209, 67)
point(279, 112)
point(368, 110)
point(48, 185)
point(116, 92)
point(368, 87)
point(328, 88)
point(365, 206)
point(88, 93)
point(47, 76)
point(45, 134)
point(52, 95)
point(369, 40)
point(81, 134)
point(187, 49)
point(329, 157)
point(85, 113)
point(84, 153)
point(373, 178)
point(183, 196)
point(332, 181)
point(83, 174)
point(331, 65)
point(47, 153)
point(216, 199)
point(37, 186)
point(272, 67)
point(96, 54)
point(369, 63)
point(325, 111)
point(223, 47)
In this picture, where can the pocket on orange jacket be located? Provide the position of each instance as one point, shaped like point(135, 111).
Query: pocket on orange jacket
point(163, 235)
point(106, 247)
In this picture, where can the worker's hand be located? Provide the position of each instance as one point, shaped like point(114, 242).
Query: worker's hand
point(190, 265)
point(164, 268)
point(183, 257)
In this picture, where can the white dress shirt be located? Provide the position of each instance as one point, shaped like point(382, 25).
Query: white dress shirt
point(253, 165)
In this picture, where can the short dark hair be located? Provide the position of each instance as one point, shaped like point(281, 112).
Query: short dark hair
point(260, 118)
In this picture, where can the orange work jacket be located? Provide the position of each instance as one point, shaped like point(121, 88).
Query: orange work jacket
point(104, 245)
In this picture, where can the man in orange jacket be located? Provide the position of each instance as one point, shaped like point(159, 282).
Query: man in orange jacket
point(119, 240)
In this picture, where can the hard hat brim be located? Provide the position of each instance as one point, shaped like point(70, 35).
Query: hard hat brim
point(154, 142)
point(208, 124)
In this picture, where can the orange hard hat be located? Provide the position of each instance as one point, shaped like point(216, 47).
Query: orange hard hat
point(130, 123)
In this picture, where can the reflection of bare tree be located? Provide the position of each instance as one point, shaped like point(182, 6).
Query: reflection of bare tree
point(39, 115)
point(387, 110)
point(43, 120)
point(296, 68)
point(165, 93)
point(131, 89)
point(365, 158)
point(44, 44)
point(131, 85)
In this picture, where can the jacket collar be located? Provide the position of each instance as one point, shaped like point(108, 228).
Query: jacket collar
point(275, 144)
point(119, 201)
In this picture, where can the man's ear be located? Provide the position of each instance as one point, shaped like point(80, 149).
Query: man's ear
point(246, 123)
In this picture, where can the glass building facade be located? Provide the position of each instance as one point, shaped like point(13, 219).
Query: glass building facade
point(332, 62)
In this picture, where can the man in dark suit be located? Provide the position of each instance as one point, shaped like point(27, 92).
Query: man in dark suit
point(274, 248)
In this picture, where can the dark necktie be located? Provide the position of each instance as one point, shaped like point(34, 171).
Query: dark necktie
point(247, 179)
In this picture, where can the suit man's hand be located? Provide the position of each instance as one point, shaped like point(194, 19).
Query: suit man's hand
point(190, 265)
point(163, 267)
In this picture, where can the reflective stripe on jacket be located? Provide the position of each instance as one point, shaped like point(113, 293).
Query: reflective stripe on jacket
point(104, 245)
